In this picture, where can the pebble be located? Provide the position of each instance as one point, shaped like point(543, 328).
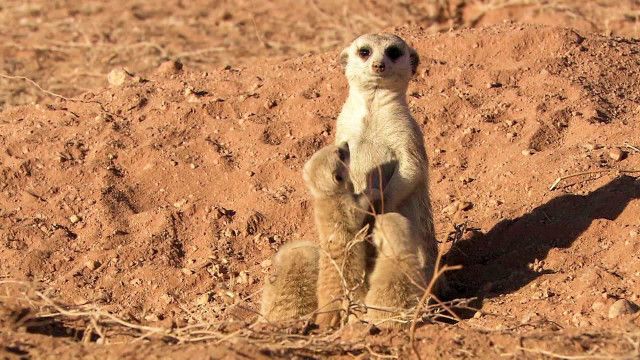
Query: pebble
point(203, 299)
point(597, 306)
point(117, 77)
point(152, 317)
point(169, 68)
point(74, 218)
point(456, 206)
point(92, 264)
point(616, 154)
point(633, 233)
point(527, 152)
point(589, 146)
point(621, 307)
point(180, 203)
point(465, 205)
point(450, 209)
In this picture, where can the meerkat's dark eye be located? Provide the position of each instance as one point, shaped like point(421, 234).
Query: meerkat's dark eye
point(393, 52)
point(364, 53)
point(337, 177)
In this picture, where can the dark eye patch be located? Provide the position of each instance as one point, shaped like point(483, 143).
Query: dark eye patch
point(364, 53)
point(393, 53)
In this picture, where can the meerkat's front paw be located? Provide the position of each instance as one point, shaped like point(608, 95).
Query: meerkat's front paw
point(374, 195)
point(329, 319)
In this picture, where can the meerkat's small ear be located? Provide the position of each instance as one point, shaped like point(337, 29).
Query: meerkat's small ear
point(415, 60)
point(344, 146)
point(343, 151)
point(344, 58)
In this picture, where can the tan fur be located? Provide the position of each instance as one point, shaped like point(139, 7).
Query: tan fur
point(399, 278)
point(290, 289)
point(376, 123)
point(339, 217)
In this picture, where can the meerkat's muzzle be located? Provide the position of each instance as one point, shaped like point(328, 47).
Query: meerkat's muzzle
point(378, 67)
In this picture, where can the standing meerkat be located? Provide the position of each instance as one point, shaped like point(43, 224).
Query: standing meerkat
point(399, 278)
point(290, 289)
point(339, 216)
point(383, 137)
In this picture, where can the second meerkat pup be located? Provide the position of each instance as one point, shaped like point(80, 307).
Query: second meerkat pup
point(339, 216)
point(289, 291)
point(383, 137)
point(398, 279)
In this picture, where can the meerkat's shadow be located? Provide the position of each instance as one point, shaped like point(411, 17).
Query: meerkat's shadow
point(498, 262)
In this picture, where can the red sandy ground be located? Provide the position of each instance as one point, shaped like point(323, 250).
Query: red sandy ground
point(184, 183)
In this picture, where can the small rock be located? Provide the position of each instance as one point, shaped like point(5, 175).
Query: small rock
point(528, 152)
point(456, 206)
point(203, 299)
point(270, 104)
point(152, 317)
point(477, 315)
point(465, 205)
point(74, 218)
point(187, 271)
point(266, 263)
point(617, 154)
point(633, 233)
point(597, 306)
point(494, 84)
point(166, 298)
point(169, 68)
point(117, 77)
point(243, 278)
point(589, 146)
point(622, 307)
point(180, 203)
point(450, 209)
point(92, 264)
point(495, 202)
point(466, 179)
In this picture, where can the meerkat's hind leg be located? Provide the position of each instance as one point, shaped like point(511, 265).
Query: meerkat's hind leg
point(398, 278)
point(290, 288)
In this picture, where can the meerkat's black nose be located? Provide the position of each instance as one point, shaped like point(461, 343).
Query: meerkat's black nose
point(378, 67)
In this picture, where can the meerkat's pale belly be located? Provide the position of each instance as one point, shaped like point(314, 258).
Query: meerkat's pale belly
point(371, 165)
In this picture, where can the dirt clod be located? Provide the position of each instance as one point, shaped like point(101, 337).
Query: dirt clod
point(617, 154)
point(622, 307)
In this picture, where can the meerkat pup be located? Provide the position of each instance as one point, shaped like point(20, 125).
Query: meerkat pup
point(289, 291)
point(398, 279)
point(387, 146)
point(339, 216)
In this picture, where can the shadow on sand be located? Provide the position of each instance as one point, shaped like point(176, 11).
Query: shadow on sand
point(498, 262)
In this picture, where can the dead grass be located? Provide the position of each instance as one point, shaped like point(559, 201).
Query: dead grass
point(27, 305)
